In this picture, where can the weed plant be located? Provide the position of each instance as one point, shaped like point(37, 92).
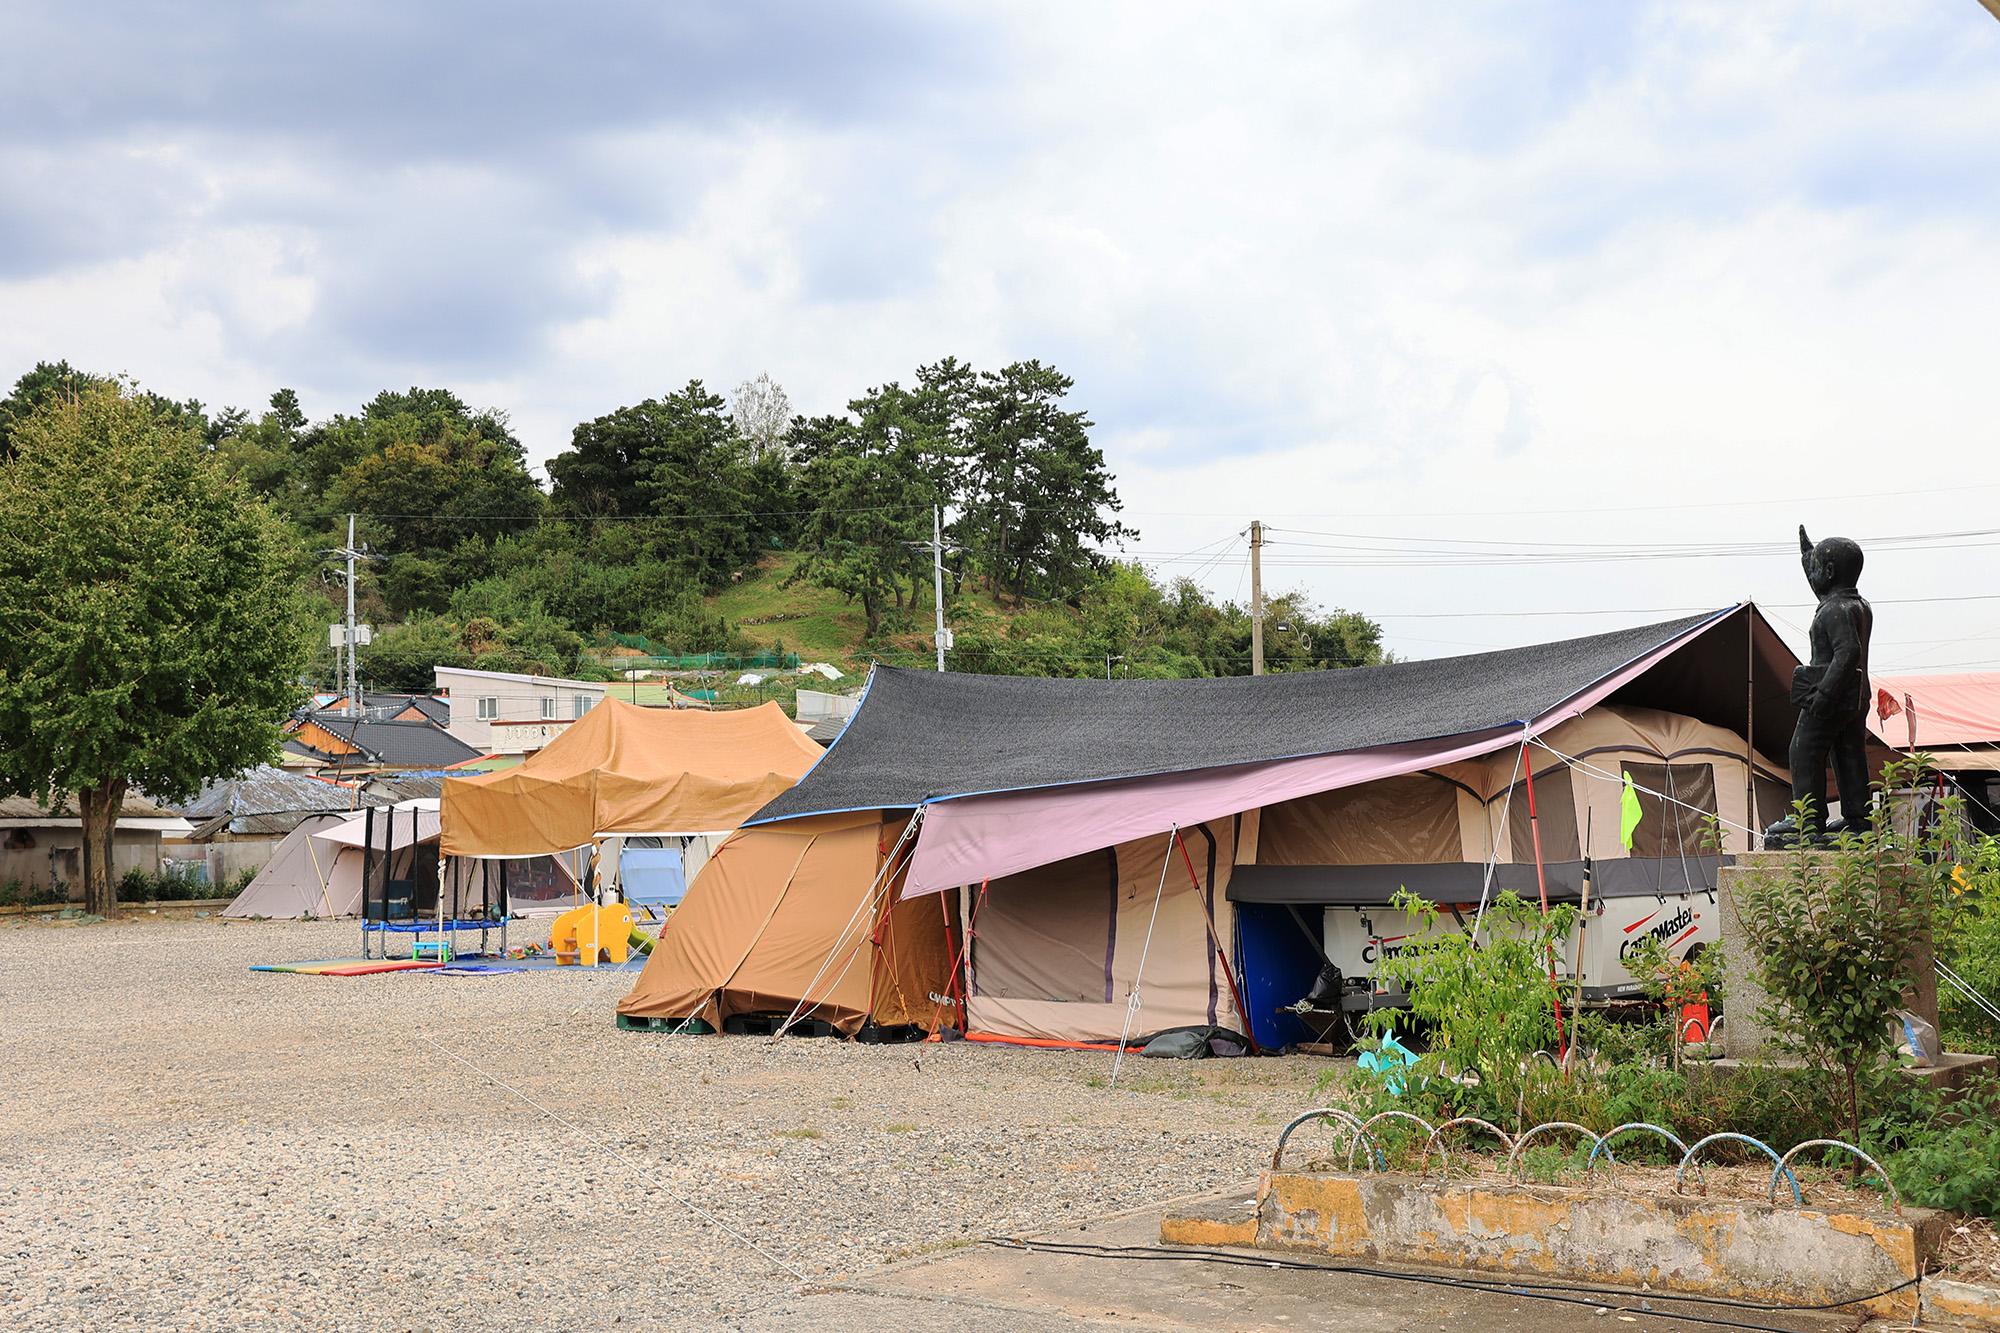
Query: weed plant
point(20, 893)
point(140, 886)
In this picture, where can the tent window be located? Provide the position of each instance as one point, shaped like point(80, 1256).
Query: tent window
point(1679, 829)
point(1045, 934)
point(1392, 822)
point(1555, 811)
point(487, 709)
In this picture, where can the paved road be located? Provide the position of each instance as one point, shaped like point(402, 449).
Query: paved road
point(1010, 1291)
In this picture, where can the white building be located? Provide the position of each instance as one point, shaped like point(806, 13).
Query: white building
point(503, 713)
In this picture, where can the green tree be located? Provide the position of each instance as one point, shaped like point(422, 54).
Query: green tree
point(1298, 636)
point(680, 459)
point(601, 473)
point(428, 474)
point(874, 503)
point(263, 453)
point(49, 382)
point(695, 470)
point(152, 628)
point(1036, 492)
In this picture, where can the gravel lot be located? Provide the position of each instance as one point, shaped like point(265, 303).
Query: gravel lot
point(191, 1145)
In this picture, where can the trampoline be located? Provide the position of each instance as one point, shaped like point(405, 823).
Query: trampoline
point(403, 894)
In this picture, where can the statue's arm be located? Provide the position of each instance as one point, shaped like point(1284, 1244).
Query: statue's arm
point(1844, 630)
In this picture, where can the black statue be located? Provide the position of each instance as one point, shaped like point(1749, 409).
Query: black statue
point(1832, 694)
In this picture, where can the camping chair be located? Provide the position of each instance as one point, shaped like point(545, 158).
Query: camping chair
point(653, 879)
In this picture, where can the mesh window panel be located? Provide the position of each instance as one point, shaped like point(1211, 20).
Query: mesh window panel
point(1045, 934)
point(1555, 811)
point(1774, 801)
point(1679, 829)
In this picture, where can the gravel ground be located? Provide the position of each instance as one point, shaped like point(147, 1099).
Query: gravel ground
point(191, 1145)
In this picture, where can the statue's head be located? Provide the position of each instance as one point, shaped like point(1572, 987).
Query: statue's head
point(1834, 562)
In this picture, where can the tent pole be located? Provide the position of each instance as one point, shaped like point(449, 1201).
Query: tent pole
point(1132, 996)
point(1542, 879)
point(416, 832)
point(1209, 912)
point(367, 854)
point(1583, 921)
point(1749, 726)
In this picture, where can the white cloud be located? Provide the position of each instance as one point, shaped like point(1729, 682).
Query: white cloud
point(1370, 264)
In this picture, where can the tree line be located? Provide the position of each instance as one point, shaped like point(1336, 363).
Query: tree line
point(164, 587)
point(655, 506)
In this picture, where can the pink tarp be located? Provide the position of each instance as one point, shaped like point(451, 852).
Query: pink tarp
point(974, 838)
point(1950, 710)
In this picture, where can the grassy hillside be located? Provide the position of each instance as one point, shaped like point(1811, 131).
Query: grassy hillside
point(818, 625)
point(823, 626)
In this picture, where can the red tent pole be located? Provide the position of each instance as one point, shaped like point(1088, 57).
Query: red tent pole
point(1221, 957)
point(1542, 879)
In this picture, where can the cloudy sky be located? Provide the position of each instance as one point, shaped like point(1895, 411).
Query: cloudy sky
point(1513, 319)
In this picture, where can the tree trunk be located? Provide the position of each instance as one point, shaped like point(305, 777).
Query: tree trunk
point(100, 807)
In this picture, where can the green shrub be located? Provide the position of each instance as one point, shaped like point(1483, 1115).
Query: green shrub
point(1952, 1160)
point(168, 886)
point(1833, 933)
point(19, 893)
point(1486, 1009)
point(1971, 947)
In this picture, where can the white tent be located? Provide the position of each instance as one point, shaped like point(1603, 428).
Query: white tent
point(294, 882)
point(316, 870)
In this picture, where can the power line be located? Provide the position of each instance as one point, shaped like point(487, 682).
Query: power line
point(1658, 610)
point(1789, 500)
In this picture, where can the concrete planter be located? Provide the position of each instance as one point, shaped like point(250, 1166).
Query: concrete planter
point(1741, 1249)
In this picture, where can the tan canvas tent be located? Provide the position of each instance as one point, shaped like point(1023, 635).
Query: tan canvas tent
point(1056, 950)
point(1047, 808)
point(625, 769)
point(801, 916)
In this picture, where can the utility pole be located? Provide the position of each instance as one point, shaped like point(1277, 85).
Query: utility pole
point(347, 635)
point(355, 703)
point(1256, 599)
point(943, 638)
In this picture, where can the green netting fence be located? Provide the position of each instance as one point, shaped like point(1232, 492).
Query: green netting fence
point(656, 660)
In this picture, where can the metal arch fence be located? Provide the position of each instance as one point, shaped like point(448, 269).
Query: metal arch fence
point(1359, 1129)
point(1438, 1135)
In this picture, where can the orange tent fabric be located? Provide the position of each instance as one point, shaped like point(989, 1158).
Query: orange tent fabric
point(624, 769)
point(782, 913)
